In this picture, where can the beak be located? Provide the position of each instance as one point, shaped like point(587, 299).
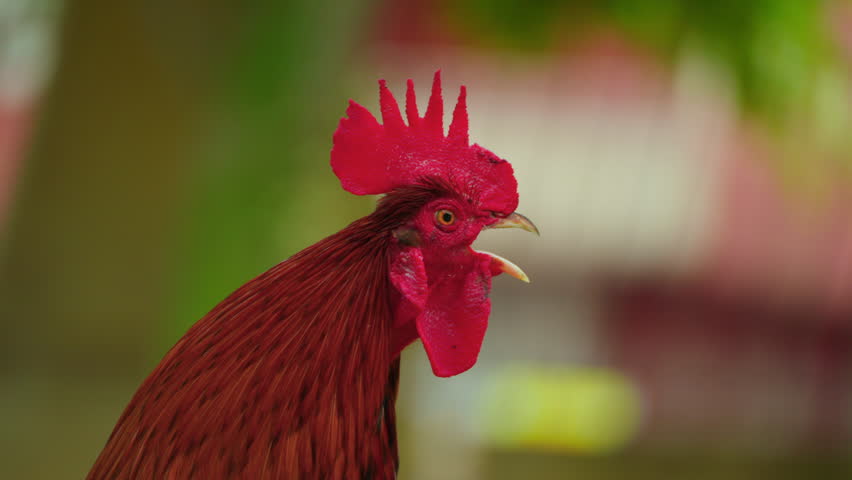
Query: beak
point(500, 264)
point(516, 220)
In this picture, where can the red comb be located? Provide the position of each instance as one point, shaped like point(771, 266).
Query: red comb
point(370, 158)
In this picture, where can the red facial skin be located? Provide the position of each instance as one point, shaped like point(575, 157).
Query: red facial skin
point(443, 285)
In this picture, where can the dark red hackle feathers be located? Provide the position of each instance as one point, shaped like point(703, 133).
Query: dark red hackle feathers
point(240, 395)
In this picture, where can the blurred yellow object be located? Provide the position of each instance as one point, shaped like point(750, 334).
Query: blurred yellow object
point(586, 410)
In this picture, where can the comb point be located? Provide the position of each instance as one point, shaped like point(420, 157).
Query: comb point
point(459, 126)
point(411, 106)
point(391, 117)
point(434, 118)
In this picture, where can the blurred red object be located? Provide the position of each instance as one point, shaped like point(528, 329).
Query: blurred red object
point(15, 123)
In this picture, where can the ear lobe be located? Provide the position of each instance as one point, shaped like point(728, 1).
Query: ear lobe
point(407, 237)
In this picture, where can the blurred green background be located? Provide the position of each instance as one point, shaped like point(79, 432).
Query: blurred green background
point(689, 163)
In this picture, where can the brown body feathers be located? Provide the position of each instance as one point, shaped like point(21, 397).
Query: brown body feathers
point(292, 376)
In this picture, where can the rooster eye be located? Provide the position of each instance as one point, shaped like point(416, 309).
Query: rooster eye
point(445, 217)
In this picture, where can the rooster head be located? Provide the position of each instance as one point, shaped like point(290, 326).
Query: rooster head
point(460, 189)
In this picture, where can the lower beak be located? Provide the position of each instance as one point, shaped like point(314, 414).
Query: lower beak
point(502, 265)
point(515, 220)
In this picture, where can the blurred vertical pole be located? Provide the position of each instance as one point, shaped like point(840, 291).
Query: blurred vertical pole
point(85, 261)
point(85, 270)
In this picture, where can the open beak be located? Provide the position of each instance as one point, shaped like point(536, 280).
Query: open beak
point(515, 220)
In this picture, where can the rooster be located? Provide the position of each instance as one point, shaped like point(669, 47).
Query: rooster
point(295, 374)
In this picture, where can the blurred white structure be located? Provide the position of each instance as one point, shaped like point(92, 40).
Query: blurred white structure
point(656, 204)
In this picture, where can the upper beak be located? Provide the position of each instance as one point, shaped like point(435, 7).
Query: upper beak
point(516, 220)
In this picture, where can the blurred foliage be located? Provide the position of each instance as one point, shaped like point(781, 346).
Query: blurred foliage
point(270, 128)
point(772, 47)
point(190, 149)
point(786, 70)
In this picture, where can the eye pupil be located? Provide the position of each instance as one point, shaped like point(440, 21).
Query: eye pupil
point(445, 217)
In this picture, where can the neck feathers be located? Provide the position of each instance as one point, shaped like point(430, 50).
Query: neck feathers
point(290, 376)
